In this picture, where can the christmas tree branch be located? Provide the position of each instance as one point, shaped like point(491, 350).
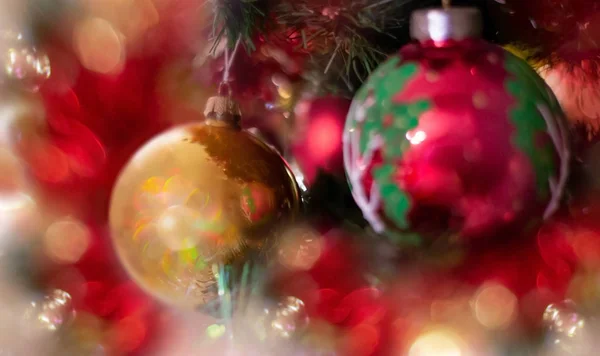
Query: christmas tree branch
point(344, 41)
point(241, 19)
point(347, 41)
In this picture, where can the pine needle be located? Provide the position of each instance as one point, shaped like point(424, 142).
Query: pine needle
point(346, 42)
point(238, 19)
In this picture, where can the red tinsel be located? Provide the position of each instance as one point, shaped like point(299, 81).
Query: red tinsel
point(568, 29)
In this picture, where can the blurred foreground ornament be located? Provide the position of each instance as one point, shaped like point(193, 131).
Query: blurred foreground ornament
point(197, 197)
point(272, 322)
point(23, 63)
point(288, 319)
point(26, 327)
point(569, 332)
point(317, 142)
point(426, 157)
point(53, 312)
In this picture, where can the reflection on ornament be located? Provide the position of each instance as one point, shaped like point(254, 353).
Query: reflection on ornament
point(24, 63)
point(53, 312)
point(193, 198)
point(258, 202)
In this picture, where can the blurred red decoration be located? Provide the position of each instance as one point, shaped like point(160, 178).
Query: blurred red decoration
point(98, 288)
point(317, 142)
point(537, 269)
point(567, 28)
point(577, 88)
point(95, 123)
point(335, 290)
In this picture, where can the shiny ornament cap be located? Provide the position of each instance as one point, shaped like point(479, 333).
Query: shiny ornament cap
point(223, 111)
point(455, 23)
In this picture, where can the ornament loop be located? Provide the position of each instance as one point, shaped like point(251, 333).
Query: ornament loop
point(225, 89)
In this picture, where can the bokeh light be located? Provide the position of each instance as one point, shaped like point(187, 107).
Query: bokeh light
point(324, 133)
point(300, 248)
point(416, 137)
point(18, 207)
point(99, 46)
point(494, 306)
point(66, 240)
point(132, 18)
point(438, 343)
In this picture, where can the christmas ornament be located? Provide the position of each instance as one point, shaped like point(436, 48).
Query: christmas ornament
point(23, 63)
point(317, 142)
point(568, 330)
point(25, 330)
point(289, 318)
point(196, 197)
point(280, 321)
point(53, 312)
point(454, 137)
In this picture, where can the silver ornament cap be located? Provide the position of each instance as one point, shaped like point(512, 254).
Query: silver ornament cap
point(453, 23)
point(222, 110)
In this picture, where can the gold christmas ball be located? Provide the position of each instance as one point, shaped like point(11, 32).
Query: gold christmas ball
point(195, 197)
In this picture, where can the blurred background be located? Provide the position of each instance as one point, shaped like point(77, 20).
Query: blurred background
point(381, 195)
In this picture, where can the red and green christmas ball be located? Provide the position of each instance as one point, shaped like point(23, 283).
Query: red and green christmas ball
point(454, 137)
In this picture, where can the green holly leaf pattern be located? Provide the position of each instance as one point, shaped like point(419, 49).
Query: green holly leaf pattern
point(529, 90)
point(384, 117)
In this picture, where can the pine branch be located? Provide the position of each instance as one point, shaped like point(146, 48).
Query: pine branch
point(235, 19)
point(347, 41)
